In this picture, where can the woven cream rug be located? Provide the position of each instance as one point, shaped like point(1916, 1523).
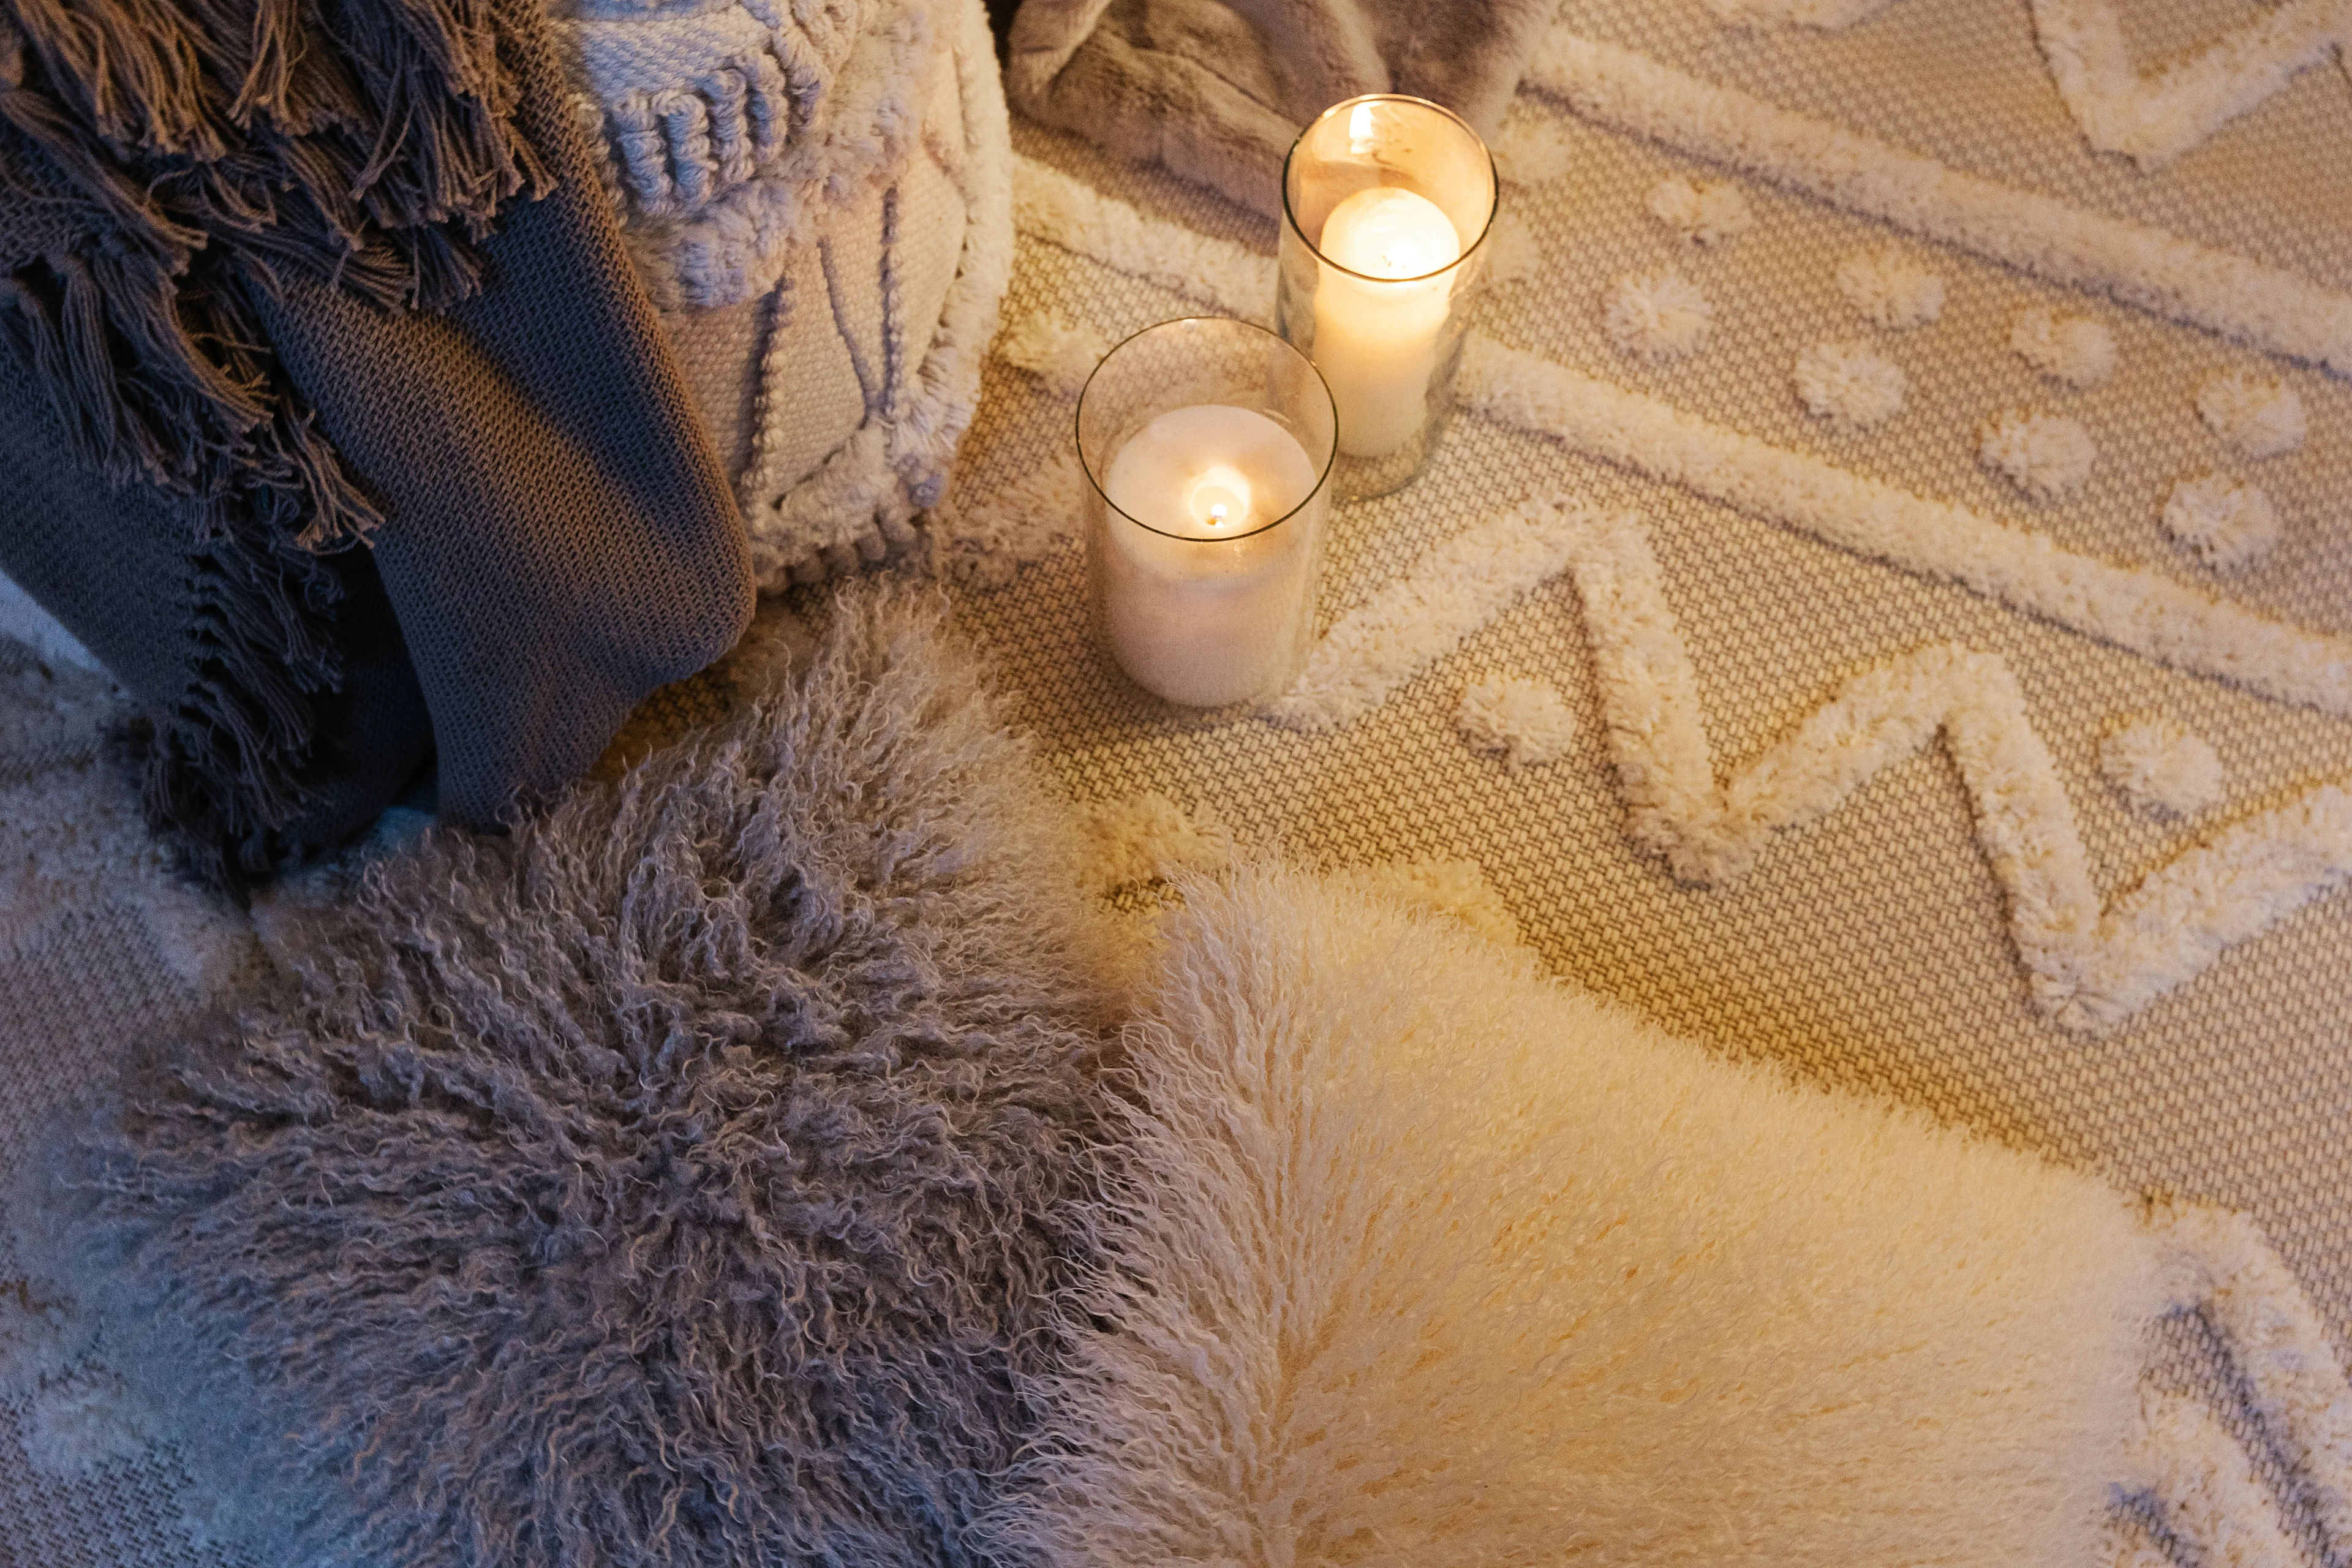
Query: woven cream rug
point(1876, 738)
point(1976, 780)
point(101, 952)
point(1913, 719)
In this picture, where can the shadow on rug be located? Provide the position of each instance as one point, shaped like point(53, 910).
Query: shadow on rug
point(680, 1180)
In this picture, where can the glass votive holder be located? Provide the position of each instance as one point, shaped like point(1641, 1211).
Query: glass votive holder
point(1208, 445)
point(1385, 200)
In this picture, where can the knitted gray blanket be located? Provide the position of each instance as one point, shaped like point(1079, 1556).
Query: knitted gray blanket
point(269, 289)
point(1217, 91)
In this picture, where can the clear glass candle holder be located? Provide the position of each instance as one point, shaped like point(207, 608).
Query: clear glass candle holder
point(1208, 446)
point(1385, 200)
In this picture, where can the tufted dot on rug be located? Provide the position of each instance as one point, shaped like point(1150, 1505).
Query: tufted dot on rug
point(1890, 287)
point(1138, 837)
point(1848, 384)
point(2047, 456)
point(1526, 723)
point(2161, 766)
point(2224, 523)
point(1057, 350)
point(1531, 149)
point(680, 1180)
point(1656, 316)
point(2259, 417)
point(1703, 212)
point(2076, 350)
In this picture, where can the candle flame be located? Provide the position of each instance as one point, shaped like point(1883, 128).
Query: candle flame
point(1361, 135)
point(1219, 497)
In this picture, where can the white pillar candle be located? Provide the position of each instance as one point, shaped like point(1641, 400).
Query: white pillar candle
point(1375, 342)
point(1208, 609)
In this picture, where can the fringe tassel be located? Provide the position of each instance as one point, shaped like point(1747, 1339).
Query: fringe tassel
point(129, 69)
point(153, 388)
point(184, 150)
point(227, 764)
point(157, 160)
point(316, 127)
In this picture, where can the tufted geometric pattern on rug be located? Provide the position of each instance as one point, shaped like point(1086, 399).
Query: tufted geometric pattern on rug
point(681, 1179)
point(1908, 900)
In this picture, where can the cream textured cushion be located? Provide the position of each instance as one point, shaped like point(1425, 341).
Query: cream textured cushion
point(816, 197)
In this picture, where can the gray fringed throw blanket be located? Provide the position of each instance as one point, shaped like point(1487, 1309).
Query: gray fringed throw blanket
point(1217, 91)
point(278, 277)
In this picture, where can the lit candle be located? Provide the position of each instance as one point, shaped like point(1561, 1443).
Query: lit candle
point(1385, 200)
point(1201, 599)
point(1376, 341)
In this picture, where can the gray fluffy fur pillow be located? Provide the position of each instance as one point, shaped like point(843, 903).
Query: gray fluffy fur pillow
point(679, 1181)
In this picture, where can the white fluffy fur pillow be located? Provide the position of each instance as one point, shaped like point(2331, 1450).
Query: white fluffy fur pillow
point(1430, 1260)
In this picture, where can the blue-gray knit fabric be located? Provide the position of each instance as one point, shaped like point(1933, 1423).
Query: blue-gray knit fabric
point(680, 1181)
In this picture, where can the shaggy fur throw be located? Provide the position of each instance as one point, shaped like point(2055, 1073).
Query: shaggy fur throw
point(1217, 91)
point(681, 1180)
point(1418, 1257)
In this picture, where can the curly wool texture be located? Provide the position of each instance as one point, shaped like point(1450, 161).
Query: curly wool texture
point(1657, 316)
point(678, 1180)
point(2259, 417)
point(2076, 350)
point(2225, 524)
point(1414, 1256)
point(1704, 212)
point(2048, 457)
point(2161, 766)
point(1848, 384)
point(1891, 289)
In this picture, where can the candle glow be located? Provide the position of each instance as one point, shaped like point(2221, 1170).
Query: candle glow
point(1391, 232)
point(1203, 600)
point(1385, 199)
point(1220, 498)
point(1376, 341)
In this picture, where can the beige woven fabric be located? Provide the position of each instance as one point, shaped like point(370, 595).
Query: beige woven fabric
point(99, 954)
point(1870, 950)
